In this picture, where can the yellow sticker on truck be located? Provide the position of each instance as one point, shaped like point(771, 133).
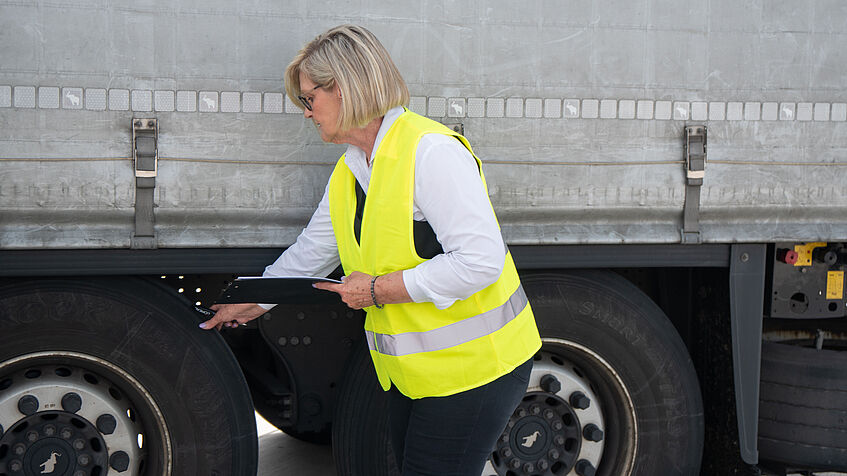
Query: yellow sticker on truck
point(834, 284)
point(804, 253)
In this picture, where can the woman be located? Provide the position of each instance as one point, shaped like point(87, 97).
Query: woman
point(406, 213)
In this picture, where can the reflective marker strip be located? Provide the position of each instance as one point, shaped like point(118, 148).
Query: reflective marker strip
point(450, 335)
point(513, 107)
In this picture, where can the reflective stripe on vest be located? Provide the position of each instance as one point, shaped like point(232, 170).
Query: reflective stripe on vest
point(450, 335)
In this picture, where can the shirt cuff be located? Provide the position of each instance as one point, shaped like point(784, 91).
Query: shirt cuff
point(412, 287)
point(419, 294)
point(267, 307)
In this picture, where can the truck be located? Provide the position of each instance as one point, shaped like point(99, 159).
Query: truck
point(668, 176)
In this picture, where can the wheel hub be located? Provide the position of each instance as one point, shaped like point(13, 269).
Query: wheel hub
point(542, 437)
point(53, 442)
point(60, 420)
point(558, 427)
point(530, 438)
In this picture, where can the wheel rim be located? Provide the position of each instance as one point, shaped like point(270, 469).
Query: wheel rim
point(73, 414)
point(560, 427)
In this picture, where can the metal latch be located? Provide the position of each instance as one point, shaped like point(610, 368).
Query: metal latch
point(694, 150)
point(145, 150)
point(695, 153)
point(145, 156)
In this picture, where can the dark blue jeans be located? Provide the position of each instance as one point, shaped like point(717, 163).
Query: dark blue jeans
point(453, 435)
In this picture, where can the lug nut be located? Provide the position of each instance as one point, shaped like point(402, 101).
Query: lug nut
point(83, 459)
point(506, 452)
point(66, 433)
point(78, 444)
point(28, 405)
point(535, 409)
point(528, 468)
point(31, 436)
point(71, 402)
point(549, 383)
point(504, 438)
point(514, 463)
point(579, 400)
point(19, 449)
point(554, 454)
point(559, 440)
point(584, 468)
point(557, 425)
point(49, 430)
point(548, 414)
point(521, 413)
point(106, 424)
point(119, 461)
point(15, 465)
point(592, 433)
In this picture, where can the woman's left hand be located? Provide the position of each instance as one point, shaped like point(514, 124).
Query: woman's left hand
point(355, 289)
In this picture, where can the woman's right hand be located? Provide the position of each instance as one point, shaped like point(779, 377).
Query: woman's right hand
point(232, 315)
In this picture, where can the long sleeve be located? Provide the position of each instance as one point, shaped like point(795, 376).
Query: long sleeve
point(449, 194)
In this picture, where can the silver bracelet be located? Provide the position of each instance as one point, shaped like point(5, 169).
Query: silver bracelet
point(373, 294)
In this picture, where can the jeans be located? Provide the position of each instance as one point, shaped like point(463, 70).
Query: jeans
point(453, 435)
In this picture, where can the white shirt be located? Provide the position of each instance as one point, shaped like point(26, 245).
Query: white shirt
point(448, 194)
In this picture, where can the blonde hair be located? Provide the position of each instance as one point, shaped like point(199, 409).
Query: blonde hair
point(354, 59)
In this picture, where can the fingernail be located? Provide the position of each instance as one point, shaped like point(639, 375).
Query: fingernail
point(314, 285)
point(202, 325)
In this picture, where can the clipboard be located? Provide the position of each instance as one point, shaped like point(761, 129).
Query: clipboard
point(279, 290)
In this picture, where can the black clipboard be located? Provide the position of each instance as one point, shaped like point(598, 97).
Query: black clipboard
point(278, 290)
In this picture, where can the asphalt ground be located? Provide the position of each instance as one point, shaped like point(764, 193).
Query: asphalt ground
point(282, 455)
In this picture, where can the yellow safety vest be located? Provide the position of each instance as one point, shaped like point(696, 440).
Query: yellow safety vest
point(423, 350)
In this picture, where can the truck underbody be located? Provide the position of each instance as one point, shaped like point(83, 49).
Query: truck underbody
point(692, 316)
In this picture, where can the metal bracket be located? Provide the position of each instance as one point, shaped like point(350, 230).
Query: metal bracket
point(457, 127)
point(694, 150)
point(145, 158)
point(746, 291)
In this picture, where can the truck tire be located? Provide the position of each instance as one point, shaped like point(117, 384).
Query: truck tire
point(803, 407)
point(613, 391)
point(620, 345)
point(113, 376)
point(361, 445)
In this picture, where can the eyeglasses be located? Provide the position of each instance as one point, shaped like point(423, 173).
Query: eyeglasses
point(307, 103)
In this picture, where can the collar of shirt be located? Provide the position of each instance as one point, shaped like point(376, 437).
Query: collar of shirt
point(354, 157)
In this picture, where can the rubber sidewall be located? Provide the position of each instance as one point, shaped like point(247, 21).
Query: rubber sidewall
point(149, 333)
point(605, 313)
point(360, 436)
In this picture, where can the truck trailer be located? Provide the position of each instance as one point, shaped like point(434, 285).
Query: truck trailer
point(668, 175)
